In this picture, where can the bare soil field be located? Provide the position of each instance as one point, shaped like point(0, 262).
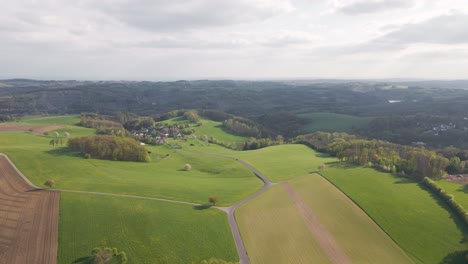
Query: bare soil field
point(35, 129)
point(28, 220)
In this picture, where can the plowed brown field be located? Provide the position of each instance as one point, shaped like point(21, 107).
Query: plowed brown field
point(28, 220)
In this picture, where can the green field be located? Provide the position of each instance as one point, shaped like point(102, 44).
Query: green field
point(273, 231)
point(163, 177)
point(357, 235)
point(417, 221)
point(284, 162)
point(50, 120)
point(273, 217)
point(209, 128)
point(147, 231)
point(459, 191)
point(331, 122)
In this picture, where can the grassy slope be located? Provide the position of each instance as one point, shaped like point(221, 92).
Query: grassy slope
point(273, 231)
point(358, 236)
point(420, 224)
point(162, 177)
point(209, 128)
point(148, 231)
point(332, 122)
point(283, 162)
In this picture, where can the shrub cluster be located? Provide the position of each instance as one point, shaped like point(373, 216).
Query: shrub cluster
point(109, 148)
point(448, 198)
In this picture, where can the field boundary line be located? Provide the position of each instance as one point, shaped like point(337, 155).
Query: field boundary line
point(325, 239)
point(373, 220)
point(21, 174)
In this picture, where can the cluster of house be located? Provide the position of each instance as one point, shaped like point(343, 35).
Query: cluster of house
point(443, 127)
point(156, 135)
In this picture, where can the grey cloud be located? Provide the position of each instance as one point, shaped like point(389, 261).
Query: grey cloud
point(446, 29)
point(181, 43)
point(371, 6)
point(164, 15)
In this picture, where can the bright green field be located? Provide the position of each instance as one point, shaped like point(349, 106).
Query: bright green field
point(50, 120)
point(147, 231)
point(209, 128)
point(418, 222)
point(357, 235)
point(331, 122)
point(274, 232)
point(283, 162)
point(456, 189)
point(163, 177)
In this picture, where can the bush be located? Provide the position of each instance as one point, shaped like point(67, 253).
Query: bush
point(50, 183)
point(87, 156)
point(187, 167)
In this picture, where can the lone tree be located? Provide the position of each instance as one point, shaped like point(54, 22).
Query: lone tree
point(322, 167)
point(187, 167)
point(50, 183)
point(213, 200)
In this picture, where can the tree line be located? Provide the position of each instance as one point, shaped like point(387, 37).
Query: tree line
point(413, 162)
point(109, 148)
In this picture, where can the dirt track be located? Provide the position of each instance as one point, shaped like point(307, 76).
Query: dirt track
point(35, 129)
point(28, 220)
point(326, 241)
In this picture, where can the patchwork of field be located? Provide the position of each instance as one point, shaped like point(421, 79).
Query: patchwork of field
point(348, 215)
point(28, 220)
point(420, 223)
point(163, 177)
point(331, 122)
point(147, 231)
point(315, 223)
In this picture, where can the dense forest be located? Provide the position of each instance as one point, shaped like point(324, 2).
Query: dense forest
point(431, 113)
point(414, 162)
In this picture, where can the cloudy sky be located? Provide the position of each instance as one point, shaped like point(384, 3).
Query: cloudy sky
point(236, 39)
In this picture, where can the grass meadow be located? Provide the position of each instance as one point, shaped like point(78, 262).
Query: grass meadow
point(459, 191)
point(420, 223)
point(147, 231)
point(163, 177)
point(284, 162)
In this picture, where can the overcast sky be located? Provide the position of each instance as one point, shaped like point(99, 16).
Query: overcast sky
point(235, 39)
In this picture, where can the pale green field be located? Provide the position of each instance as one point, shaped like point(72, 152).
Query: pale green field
point(147, 231)
point(420, 223)
point(274, 232)
point(357, 235)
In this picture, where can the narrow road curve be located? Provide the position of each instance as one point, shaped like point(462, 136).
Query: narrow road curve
point(243, 257)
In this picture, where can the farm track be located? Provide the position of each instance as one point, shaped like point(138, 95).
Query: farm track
point(326, 241)
point(28, 219)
